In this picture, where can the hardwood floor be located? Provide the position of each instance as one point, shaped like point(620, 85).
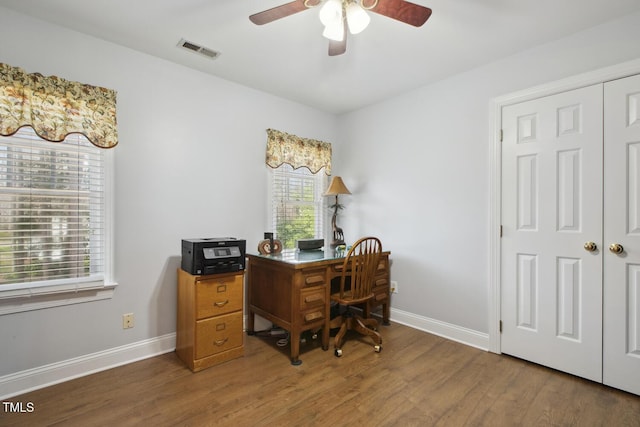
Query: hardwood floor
point(417, 380)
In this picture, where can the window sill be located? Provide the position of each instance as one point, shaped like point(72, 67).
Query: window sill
point(36, 298)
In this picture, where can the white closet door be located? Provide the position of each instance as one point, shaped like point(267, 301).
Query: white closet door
point(621, 368)
point(551, 287)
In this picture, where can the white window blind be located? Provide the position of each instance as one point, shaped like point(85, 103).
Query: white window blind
point(298, 206)
point(52, 224)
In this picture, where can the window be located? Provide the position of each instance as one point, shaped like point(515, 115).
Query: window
point(298, 206)
point(54, 223)
point(298, 179)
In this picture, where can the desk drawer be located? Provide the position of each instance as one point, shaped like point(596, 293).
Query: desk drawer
point(219, 295)
point(314, 277)
point(381, 289)
point(312, 297)
point(312, 316)
point(383, 266)
point(218, 334)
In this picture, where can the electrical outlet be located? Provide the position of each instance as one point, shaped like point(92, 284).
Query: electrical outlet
point(127, 321)
point(394, 287)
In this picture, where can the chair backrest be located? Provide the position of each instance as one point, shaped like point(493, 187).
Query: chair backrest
point(360, 265)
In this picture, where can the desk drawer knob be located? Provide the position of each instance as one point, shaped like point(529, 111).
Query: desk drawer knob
point(313, 298)
point(310, 317)
point(314, 280)
point(221, 303)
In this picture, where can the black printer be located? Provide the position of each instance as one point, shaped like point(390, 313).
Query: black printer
point(213, 255)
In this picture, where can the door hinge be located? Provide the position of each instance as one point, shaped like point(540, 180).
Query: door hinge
point(501, 135)
point(501, 326)
point(500, 231)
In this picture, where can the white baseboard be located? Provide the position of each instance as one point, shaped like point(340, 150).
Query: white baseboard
point(442, 329)
point(32, 379)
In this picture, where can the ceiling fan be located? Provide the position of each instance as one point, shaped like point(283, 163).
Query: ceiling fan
point(338, 16)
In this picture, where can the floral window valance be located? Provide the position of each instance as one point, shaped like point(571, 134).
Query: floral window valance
point(297, 152)
point(56, 107)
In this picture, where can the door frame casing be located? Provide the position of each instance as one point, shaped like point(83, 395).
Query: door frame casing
point(603, 75)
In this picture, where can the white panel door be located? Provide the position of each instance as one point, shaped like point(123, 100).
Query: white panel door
point(551, 286)
point(621, 368)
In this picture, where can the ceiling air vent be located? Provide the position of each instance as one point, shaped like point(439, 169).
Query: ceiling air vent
point(209, 53)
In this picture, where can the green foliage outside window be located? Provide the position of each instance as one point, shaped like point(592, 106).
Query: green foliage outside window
point(302, 226)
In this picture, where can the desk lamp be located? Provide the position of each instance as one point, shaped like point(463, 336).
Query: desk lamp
point(336, 187)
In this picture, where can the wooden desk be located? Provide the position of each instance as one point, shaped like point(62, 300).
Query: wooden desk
point(292, 290)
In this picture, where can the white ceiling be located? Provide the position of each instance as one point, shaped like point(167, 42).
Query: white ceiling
point(289, 57)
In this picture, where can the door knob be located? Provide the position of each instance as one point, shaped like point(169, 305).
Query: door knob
point(590, 246)
point(616, 248)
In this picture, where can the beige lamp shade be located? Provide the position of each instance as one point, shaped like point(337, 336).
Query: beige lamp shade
point(336, 187)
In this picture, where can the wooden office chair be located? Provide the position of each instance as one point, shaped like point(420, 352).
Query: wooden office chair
point(356, 283)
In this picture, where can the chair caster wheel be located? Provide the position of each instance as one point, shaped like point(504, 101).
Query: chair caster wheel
point(338, 352)
point(377, 348)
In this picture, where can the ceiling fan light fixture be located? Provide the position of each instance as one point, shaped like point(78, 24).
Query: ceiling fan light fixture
point(334, 32)
point(357, 18)
point(331, 13)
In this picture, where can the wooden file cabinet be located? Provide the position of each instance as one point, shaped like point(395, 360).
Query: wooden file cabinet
point(209, 329)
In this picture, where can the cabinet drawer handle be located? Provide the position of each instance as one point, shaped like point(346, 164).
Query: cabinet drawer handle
point(313, 298)
point(313, 316)
point(313, 280)
point(221, 303)
point(221, 342)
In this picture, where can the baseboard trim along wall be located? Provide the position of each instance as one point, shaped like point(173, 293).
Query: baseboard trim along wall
point(442, 329)
point(32, 379)
point(54, 373)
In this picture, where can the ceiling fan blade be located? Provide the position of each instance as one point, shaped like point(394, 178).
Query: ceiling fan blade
point(281, 11)
point(338, 48)
point(403, 11)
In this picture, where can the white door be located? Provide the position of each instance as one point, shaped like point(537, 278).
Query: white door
point(621, 337)
point(551, 286)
